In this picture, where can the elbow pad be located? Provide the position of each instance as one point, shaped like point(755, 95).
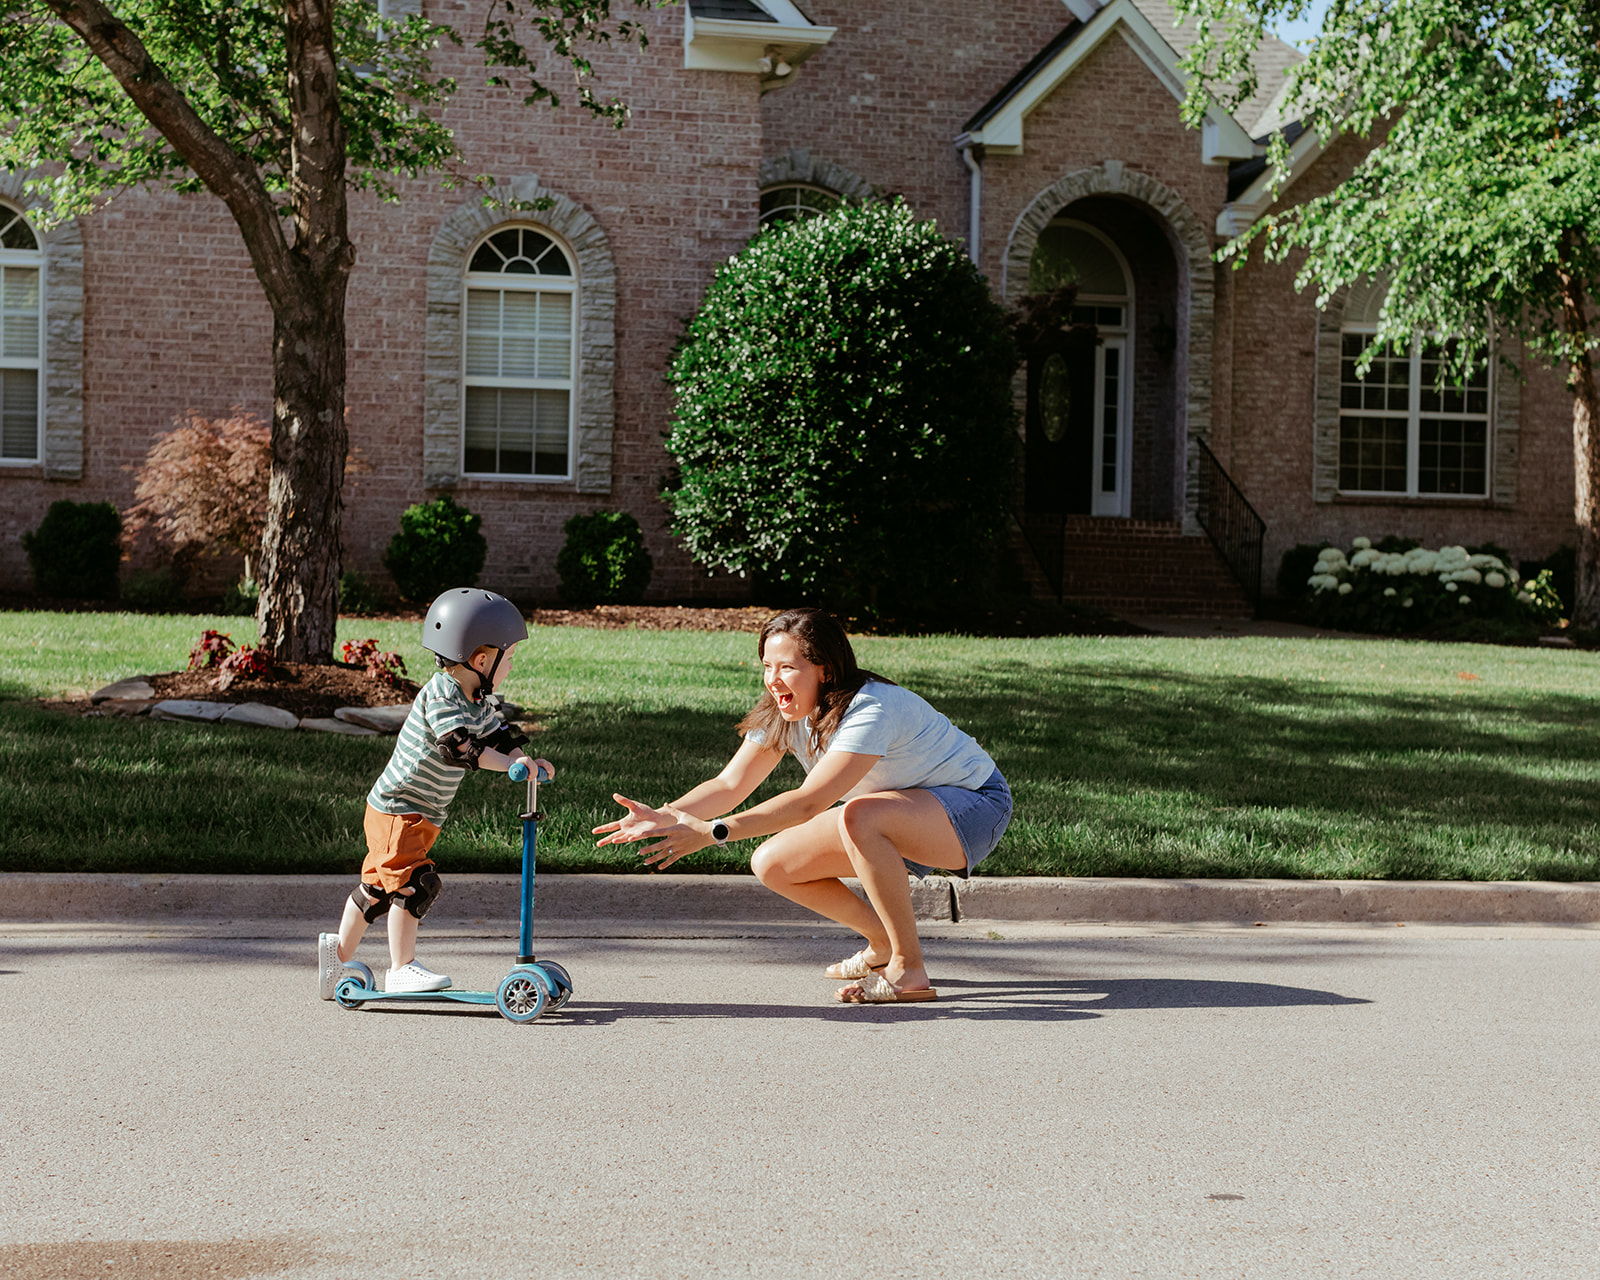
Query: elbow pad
point(460, 750)
point(505, 739)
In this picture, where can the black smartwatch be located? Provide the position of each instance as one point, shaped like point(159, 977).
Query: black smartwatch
point(719, 831)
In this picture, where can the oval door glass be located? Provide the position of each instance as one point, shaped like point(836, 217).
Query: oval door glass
point(1055, 397)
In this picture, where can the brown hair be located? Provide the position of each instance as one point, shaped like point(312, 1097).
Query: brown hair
point(822, 641)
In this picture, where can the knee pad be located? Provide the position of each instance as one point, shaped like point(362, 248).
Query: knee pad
point(427, 885)
point(379, 903)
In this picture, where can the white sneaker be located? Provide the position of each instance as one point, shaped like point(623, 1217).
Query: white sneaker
point(330, 969)
point(414, 977)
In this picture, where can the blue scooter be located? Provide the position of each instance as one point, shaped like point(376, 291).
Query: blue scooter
point(530, 988)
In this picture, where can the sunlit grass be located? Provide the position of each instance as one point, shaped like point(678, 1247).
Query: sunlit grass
point(1128, 756)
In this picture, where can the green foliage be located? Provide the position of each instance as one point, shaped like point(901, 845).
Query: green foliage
point(439, 546)
point(75, 550)
point(604, 560)
point(1562, 567)
point(229, 63)
point(357, 595)
point(1418, 589)
point(844, 419)
point(1543, 601)
point(154, 589)
point(240, 599)
point(1295, 569)
point(1480, 202)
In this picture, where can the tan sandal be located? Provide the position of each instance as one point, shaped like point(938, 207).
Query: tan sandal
point(855, 967)
point(876, 989)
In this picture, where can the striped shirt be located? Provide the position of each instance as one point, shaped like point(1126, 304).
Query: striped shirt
point(416, 780)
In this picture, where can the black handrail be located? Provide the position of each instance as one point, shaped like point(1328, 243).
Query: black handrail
point(1232, 524)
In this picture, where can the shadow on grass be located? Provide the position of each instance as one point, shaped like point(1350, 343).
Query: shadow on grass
point(1128, 771)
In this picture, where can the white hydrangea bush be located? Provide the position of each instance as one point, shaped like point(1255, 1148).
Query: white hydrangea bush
point(1367, 589)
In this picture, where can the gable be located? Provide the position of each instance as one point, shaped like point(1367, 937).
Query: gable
point(1000, 125)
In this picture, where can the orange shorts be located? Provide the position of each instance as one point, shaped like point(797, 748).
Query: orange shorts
point(397, 846)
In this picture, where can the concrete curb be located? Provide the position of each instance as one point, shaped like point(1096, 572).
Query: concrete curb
point(47, 898)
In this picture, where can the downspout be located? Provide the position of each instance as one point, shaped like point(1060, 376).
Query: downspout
point(974, 163)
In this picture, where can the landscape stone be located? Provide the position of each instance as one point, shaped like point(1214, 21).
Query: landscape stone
point(134, 688)
point(188, 709)
point(260, 713)
point(338, 726)
point(380, 719)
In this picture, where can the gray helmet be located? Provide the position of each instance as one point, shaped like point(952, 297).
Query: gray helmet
point(463, 619)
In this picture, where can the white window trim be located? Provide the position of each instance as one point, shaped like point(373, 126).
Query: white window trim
point(1414, 416)
point(525, 284)
point(37, 260)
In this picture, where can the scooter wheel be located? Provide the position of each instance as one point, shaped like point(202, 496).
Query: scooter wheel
point(345, 993)
point(522, 995)
point(561, 983)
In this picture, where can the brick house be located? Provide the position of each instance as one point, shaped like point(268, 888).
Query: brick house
point(517, 361)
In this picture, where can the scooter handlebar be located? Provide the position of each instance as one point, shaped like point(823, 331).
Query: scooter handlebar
point(518, 772)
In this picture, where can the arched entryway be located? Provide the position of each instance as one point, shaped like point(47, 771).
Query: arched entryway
point(1078, 422)
point(1124, 405)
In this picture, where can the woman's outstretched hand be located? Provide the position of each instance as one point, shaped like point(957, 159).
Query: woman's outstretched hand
point(676, 834)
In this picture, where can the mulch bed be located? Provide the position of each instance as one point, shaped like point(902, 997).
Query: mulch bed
point(306, 689)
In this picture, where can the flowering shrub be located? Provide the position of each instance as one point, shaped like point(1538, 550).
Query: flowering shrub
point(386, 667)
point(1375, 590)
point(213, 648)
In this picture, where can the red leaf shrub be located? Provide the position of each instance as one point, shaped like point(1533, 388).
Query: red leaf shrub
point(203, 485)
point(248, 662)
point(386, 667)
point(213, 649)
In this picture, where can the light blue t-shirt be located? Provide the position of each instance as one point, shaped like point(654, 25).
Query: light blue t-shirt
point(918, 745)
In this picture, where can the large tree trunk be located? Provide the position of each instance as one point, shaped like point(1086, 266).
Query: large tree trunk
point(1585, 610)
point(299, 603)
point(299, 577)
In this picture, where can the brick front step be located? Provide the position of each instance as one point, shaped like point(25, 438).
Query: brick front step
point(1136, 566)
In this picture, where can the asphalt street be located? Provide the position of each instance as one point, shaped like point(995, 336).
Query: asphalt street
point(1082, 1101)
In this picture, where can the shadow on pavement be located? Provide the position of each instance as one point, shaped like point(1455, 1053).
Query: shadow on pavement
point(973, 1001)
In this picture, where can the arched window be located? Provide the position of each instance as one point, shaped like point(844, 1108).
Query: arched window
point(794, 202)
point(1401, 430)
point(519, 357)
point(21, 338)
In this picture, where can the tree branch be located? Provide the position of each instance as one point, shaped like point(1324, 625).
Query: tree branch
point(228, 175)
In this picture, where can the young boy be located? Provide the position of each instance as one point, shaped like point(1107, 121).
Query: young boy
point(454, 726)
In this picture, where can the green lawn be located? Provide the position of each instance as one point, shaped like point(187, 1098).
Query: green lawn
point(1128, 756)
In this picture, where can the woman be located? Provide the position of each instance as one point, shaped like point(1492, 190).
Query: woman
point(911, 783)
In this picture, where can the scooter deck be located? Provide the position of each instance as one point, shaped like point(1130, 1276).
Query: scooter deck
point(449, 993)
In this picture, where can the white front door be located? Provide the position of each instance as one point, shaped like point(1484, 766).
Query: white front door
point(1111, 436)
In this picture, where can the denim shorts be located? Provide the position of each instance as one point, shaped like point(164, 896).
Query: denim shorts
point(980, 818)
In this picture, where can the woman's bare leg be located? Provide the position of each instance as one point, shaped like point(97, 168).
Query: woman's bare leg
point(807, 864)
point(879, 830)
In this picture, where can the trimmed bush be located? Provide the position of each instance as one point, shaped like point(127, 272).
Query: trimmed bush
point(1295, 568)
point(844, 421)
point(604, 560)
point(357, 595)
point(75, 550)
point(1391, 591)
point(438, 547)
